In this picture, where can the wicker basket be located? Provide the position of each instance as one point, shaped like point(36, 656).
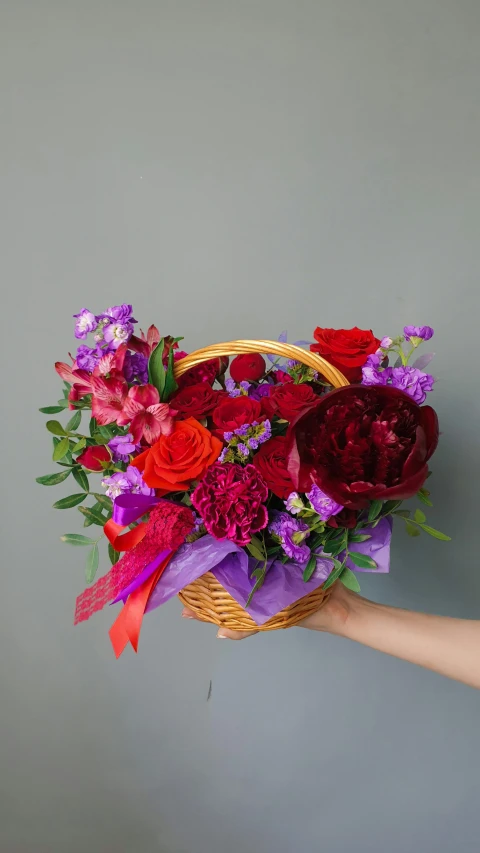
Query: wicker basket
point(205, 596)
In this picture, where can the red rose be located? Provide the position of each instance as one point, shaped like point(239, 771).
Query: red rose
point(289, 401)
point(195, 401)
point(207, 371)
point(92, 458)
point(346, 349)
point(234, 412)
point(176, 460)
point(271, 462)
point(247, 368)
point(363, 443)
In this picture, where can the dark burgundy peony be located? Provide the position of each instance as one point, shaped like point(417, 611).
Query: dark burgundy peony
point(363, 443)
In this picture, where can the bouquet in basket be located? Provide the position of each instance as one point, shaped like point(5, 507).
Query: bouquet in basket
point(247, 486)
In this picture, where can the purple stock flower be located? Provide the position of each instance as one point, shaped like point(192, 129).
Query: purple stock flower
point(421, 333)
point(117, 333)
point(135, 368)
point(292, 533)
point(323, 505)
point(126, 482)
point(386, 343)
point(119, 314)
point(371, 373)
point(86, 323)
point(122, 447)
point(414, 382)
point(87, 358)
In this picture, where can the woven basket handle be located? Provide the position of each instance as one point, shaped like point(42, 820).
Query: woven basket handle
point(311, 359)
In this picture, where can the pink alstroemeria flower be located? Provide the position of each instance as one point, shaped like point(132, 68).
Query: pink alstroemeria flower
point(145, 344)
point(148, 418)
point(108, 398)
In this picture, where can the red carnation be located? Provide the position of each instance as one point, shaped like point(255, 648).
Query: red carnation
point(234, 412)
point(247, 368)
point(363, 443)
point(231, 501)
point(93, 457)
point(271, 461)
point(346, 349)
point(195, 401)
point(289, 401)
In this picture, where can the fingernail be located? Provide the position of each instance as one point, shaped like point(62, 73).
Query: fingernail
point(221, 636)
point(186, 616)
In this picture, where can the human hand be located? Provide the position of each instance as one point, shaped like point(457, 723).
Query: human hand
point(331, 617)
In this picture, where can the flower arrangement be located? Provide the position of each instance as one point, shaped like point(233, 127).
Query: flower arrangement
point(254, 470)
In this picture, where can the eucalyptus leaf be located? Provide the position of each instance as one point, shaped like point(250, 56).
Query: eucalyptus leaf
point(81, 478)
point(92, 564)
point(349, 579)
point(51, 410)
point(76, 539)
point(68, 502)
point(61, 450)
point(74, 422)
point(53, 479)
point(375, 510)
point(55, 428)
point(361, 560)
point(156, 370)
point(93, 517)
point(436, 533)
point(412, 528)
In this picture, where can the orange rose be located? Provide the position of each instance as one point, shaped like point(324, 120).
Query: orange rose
point(176, 460)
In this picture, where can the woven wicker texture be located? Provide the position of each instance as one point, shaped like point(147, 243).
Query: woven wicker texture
point(205, 596)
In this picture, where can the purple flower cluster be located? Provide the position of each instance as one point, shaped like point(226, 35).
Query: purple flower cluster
point(244, 440)
point(292, 533)
point(122, 447)
point(257, 392)
point(87, 358)
point(323, 505)
point(135, 368)
point(414, 382)
point(112, 328)
point(126, 482)
point(234, 390)
point(416, 334)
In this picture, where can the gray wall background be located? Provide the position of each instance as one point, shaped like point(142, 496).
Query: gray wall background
point(235, 168)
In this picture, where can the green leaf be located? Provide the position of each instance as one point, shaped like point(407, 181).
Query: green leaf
point(412, 528)
point(375, 509)
point(81, 478)
point(419, 516)
point(333, 544)
point(92, 564)
point(423, 496)
point(101, 439)
point(335, 574)
point(104, 501)
point(63, 403)
point(359, 537)
point(61, 450)
point(170, 383)
point(92, 426)
point(156, 370)
point(107, 431)
point(310, 568)
point(403, 513)
point(76, 539)
point(93, 517)
point(53, 479)
point(390, 506)
point(114, 555)
point(55, 427)
point(361, 560)
point(436, 533)
point(79, 445)
point(254, 547)
point(71, 500)
point(74, 422)
point(51, 410)
point(349, 579)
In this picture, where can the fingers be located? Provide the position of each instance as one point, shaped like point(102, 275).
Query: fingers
point(223, 633)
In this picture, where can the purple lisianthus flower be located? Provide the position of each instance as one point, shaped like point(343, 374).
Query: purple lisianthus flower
point(371, 373)
point(292, 533)
point(323, 505)
point(87, 358)
point(122, 447)
point(129, 482)
point(117, 333)
point(421, 333)
point(259, 391)
point(86, 323)
point(294, 503)
point(414, 382)
point(135, 368)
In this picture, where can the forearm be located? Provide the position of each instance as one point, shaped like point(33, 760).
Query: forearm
point(450, 647)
